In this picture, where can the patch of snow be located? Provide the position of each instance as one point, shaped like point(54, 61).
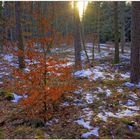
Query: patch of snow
point(108, 92)
point(55, 49)
point(89, 98)
point(78, 91)
point(78, 103)
point(90, 45)
point(1, 76)
point(102, 117)
point(69, 50)
point(136, 108)
point(130, 127)
point(96, 97)
point(124, 113)
point(66, 104)
point(27, 70)
point(51, 122)
point(100, 89)
point(98, 74)
point(65, 65)
point(8, 57)
point(99, 68)
point(94, 73)
point(130, 103)
point(84, 124)
point(128, 84)
point(85, 118)
point(120, 90)
point(134, 96)
point(126, 75)
point(18, 97)
point(94, 132)
point(87, 113)
point(4, 73)
point(83, 73)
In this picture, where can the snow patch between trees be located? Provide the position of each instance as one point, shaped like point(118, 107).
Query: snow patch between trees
point(18, 97)
point(98, 73)
point(124, 113)
point(128, 84)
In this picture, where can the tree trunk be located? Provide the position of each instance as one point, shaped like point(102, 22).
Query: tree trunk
point(93, 52)
point(19, 38)
point(98, 26)
point(122, 26)
point(116, 33)
point(83, 36)
point(135, 46)
point(1, 26)
point(77, 40)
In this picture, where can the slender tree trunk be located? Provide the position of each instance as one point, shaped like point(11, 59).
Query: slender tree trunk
point(122, 26)
point(98, 25)
point(135, 46)
point(83, 42)
point(116, 33)
point(19, 38)
point(1, 25)
point(77, 40)
point(83, 37)
point(32, 14)
point(93, 51)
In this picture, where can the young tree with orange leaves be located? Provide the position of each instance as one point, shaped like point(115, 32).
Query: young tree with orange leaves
point(45, 79)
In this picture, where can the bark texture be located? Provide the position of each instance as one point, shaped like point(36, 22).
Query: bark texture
point(77, 39)
point(19, 38)
point(116, 32)
point(135, 46)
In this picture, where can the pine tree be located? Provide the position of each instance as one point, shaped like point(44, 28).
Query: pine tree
point(19, 35)
point(135, 46)
point(116, 32)
point(122, 6)
point(77, 40)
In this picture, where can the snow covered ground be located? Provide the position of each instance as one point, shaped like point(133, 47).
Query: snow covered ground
point(99, 72)
point(99, 97)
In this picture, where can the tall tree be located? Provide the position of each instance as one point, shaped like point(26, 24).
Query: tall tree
point(122, 6)
point(83, 34)
point(116, 32)
point(98, 24)
point(135, 46)
point(1, 26)
point(77, 40)
point(19, 38)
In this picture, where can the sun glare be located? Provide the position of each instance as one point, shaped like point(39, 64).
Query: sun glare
point(81, 5)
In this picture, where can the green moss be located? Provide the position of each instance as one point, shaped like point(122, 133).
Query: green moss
point(1, 133)
point(23, 132)
point(98, 120)
point(2, 92)
point(128, 121)
point(113, 83)
point(9, 96)
point(39, 134)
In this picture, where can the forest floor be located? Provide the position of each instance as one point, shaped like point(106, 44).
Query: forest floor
point(104, 105)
